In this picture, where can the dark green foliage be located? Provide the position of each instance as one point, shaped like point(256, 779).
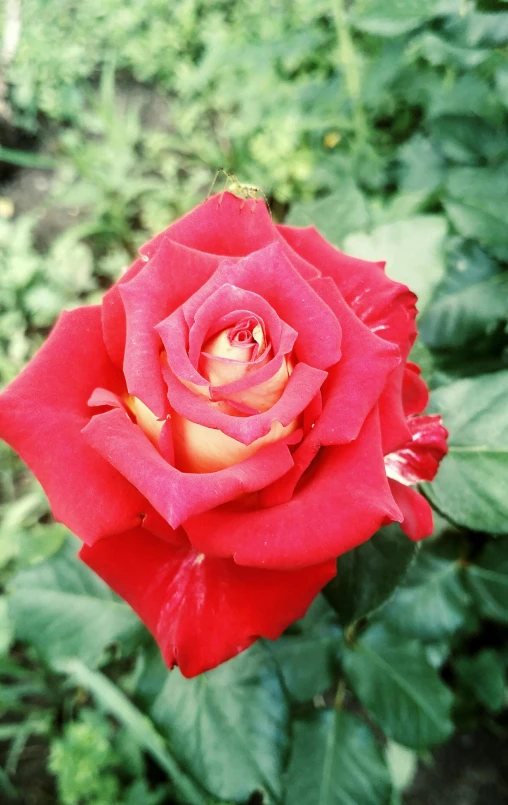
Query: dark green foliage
point(336, 760)
point(369, 575)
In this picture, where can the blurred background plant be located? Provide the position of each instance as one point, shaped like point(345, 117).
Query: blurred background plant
point(385, 124)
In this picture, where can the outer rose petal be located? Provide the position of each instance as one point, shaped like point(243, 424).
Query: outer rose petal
point(356, 382)
point(386, 307)
point(350, 392)
point(231, 227)
point(418, 521)
point(113, 315)
point(419, 459)
point(42, 414)
point(343, 500)
point(394, 428)
point(415, 394)
point(202, 611)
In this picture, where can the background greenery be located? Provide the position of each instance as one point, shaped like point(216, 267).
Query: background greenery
point(384, 122)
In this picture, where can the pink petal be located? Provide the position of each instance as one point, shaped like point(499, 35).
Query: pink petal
point(339, 504)
point(415, 394)
point(356, 382)
point(167, 280)
point(351, 391)
point(183, 347)
point(201, 449)
point(215, 314)
point(302, 386)
point(113, 315)
point(271, 275)
point(231, 227)
point(386, 307)
point(394, 427)
point(178, 495)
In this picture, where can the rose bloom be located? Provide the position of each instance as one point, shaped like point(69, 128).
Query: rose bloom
point(237, 414)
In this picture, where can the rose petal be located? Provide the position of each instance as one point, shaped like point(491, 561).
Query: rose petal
point(302, 386)
point(215, 312)
point(415, 394)
point(171, 276)
point(201, 449)
point(262, 396)
point(178, 495)
point(183, 351)
point(419, 460)
point(231, 227)
point(351, 391)
point(113, 315)
point(386, 307)
point(270, 274)
point(394, 428)
point(418, 520)
point(342, 501)
point(355, 384)
point(42, 414)
point(202, 611)
point(103, 398)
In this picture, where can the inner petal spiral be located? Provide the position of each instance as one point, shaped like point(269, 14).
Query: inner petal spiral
point(244, 342)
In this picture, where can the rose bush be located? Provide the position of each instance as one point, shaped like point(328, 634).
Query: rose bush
point(237, 414)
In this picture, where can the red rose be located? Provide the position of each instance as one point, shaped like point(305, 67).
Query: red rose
point(216, 431)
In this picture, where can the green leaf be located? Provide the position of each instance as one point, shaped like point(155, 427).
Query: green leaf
point(471, 487)
point(64, 610)
point(432, 603)
point(470, 140)
point(228, 726)
point(487, 578)
point(335, 215)
point(486, 29)
point(421, 167)
point(475, 202)
point(484, 676)
point(336, 760)
point(369, 574)
point(307, 662)
point(440, 50)
point(412, 248)
point(113, 701)
point(396, 684)
point(468, 99)
point(394, 17)
point(469, 303)
point(25, 159)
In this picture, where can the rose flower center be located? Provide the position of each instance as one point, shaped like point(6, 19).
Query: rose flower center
point(232, 354)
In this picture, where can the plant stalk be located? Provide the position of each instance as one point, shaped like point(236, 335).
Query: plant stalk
point(348, 60)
